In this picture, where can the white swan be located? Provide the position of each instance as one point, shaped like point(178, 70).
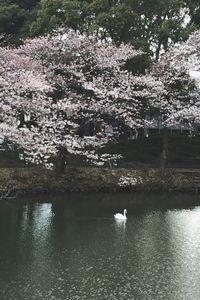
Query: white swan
point(120, 216)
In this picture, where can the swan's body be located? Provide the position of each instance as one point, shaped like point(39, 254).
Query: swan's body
point(120, 216)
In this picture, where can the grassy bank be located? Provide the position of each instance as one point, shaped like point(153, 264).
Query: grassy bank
point(87, 179)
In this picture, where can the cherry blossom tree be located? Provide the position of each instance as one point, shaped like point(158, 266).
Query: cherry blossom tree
point(179, 104)
point(62, 78)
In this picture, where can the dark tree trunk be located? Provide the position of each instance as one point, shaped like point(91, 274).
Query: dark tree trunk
point(61, 161)
point(61, 165)
point(158, 51)
point(140, 132)
point(164, 154)
point(110, 3)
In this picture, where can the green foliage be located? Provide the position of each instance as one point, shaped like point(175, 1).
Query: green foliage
point(139, 64)
point(53, 13)
point(15, 17)
point(26, 4)
point(11, 18)
point(194, 7)
point(150, 25)
point(119, 23)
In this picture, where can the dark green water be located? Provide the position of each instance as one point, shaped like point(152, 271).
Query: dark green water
point(72, 248)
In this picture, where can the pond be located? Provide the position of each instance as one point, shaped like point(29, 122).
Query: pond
point(71, 247)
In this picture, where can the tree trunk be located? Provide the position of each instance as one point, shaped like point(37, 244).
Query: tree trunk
point(158, 51)
point(61, 162)
point(110, 3)
point(62, 165)
point(140, 132)
point(164, 154)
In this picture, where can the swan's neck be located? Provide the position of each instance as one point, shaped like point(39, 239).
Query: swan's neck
point(124, 213)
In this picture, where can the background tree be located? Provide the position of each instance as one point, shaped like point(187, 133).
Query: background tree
point(152, 26)
point(15, 19)
point(179, 105)
point(55, 13)
point(194, 12)
point(148, 25)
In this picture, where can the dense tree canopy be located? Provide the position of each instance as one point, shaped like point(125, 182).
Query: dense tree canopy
point(58, 81)
point(194, 12)
point(97, 69)
point(148, 25)
point(15, 19)
point(64, 78)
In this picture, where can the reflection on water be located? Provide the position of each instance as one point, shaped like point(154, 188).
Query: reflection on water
point(73, 248)
point(120, 227)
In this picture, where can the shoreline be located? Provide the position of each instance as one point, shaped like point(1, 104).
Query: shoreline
point(35, 181)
